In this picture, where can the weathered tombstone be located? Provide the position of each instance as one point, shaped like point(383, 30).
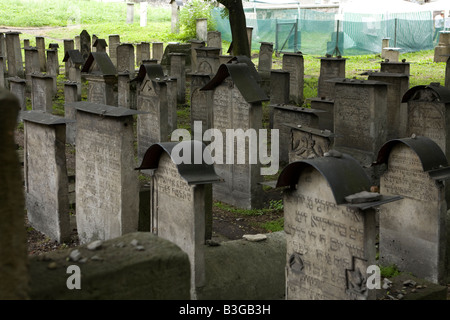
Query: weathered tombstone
point(175, 4)
point(307, 143)
point(77, 42)
point(152, 101)
point(125, 58)
point(2, 73)
point(396, 110)
point(384, 45)
point(32, 64)
point(100, 45)
point(184, 48)
point(157, 51)
point(102, 78)
point(53, 67)
point(107, 186)
point(291, 115)
point(392, 54)
point(114, 41)
point(143, 14)
point(360, 120)
point(41, 92)
point(443, 47)
point(202, 29)
point(214, 39)
point(130, 13)
point(180, 202)
point(18, 87)
point(26, 43)
point(142, 52)
point(70, 95)
point(250, 36)
point(194, 45)
point(14, 54)
point(45, 172)
point(85, 44)
point(93, 40)
point(237, 104)
point(294, 64)
point(201, 101)
point(40, 45)
point(14, 279)
point(330, 68)
point(428, 113)
point(326, 119)
point(73, 62)
point(3, 49)
point(330, 241)
point(178, 71)
point(279, 87)
point(207, 60)
point(126, 91)
point(447, 73)
point(68, 45)
point(414, 231)
point(265, 57)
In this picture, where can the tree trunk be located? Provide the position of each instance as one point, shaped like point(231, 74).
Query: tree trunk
point(240, 44)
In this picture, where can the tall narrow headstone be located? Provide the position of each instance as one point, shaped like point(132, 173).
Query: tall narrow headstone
point(53, 67)
point(114, 41)
point(125, 58)
point(100, 45)
point(157, 51)
point(85, 44)
point(3, 49)
point(143, 14)
point(179, 204)
point(68, 45)
point(202, 29)
point(194, 45)
point(14, 55)
point(2, 72)
point(330, 240)
point(14, 279)
point(32, 64)
point(207, 60)
point(70, 95)
point(40, 45)
point(178, 71)
point(201, 101)
point(73, 62)
point(130, 13)
point(330, 68)
point(250, 37)
point(265, 57)
point(414, 230)
point(77, 42)
point(41, 92)
point(18, 88)
point(93, 41)
point(294, 64)
point(125, 92)
point(45, 172)
point(384, 45)
point(175, 5)
point(237, 104)
point(214, 39)
point(107, 186)
point(142, 52)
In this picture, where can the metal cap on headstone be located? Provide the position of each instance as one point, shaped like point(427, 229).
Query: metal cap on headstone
point(153, 71)
point(195, 172)
point(441, 94)
point(43, 118)
point(75, 56)
point(103, 109)
point(106, 67)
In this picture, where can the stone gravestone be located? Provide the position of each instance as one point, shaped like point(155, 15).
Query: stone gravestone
point(396, 110)
point(294, 64)
point(100, 45)
point(180, 201)
point(142, 52)
point(130, 13)
point(157, 51)
point(330, 238)
point(207, 59)
point(107, 186)
point(279, 88)
point(40, 45)
point(3, 49)
point(202, 29)
point(74, 61)
point(265, 65)
point(330, 68)
point(85, 44)
point(68, 45)
point(45, 171)
point(360, 120)
point(42, 92)
point(93, 41)
point(326, 118)
point(194, 45)
point(291, 115)
point(414, 231)
point(102, 78)
point(31, 63)
point(214, 40)
point(14, 54)
point(125, 58)
point(2, 73)
point(428, 113)
point(237, 104)
point(14, 279)
point(178, 71)
point(443, 47)
point(402, 67)
point(114, 41)
point(447, 73)
point(18, 86)
point(53, 67)
point(70, 95)
point(307, 143)
point(201, 101)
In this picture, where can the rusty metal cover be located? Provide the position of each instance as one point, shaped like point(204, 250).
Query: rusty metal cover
point(193, 173)
point(440, 93)
point(430, 154)
point(240, 74)
point(103, 61)
point(152, 70)
point(344, 175)
point(43, 118)
point(103, 109)
point(75, 56)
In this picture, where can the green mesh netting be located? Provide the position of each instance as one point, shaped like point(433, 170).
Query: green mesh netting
point(314, 32)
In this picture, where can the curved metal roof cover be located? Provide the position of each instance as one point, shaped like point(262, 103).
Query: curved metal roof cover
point(240, 74)
point(75, 56)
point(344, 175)
point(103, 61)
point(152, 70)
point(193, 173)
point(439, 93)
point(430, 154)
point(43, 118)
point(103, 109)
point(244, 59)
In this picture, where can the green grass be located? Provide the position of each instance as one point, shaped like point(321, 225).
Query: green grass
point(274, 225)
